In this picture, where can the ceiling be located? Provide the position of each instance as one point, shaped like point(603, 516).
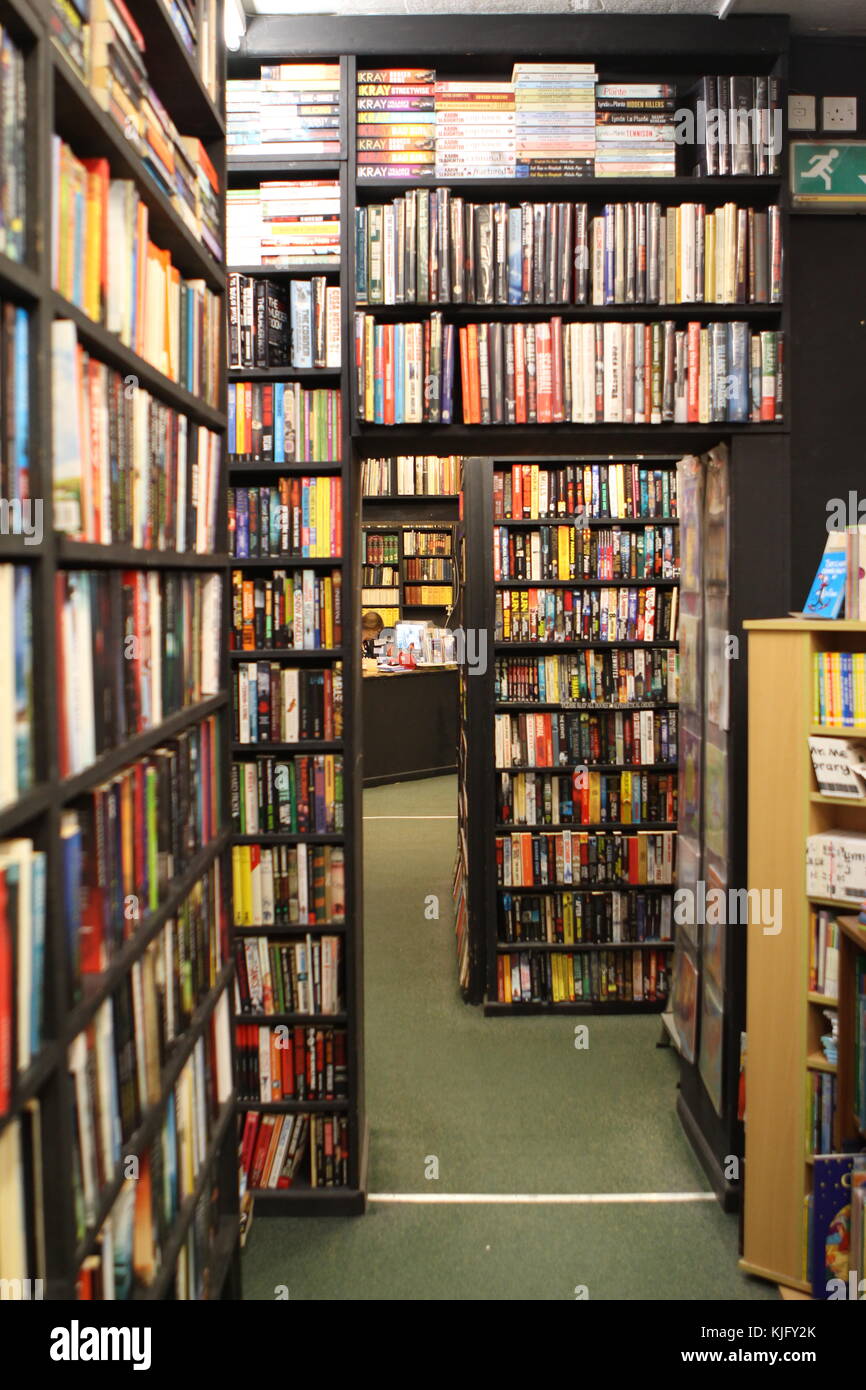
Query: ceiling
point(810, 16)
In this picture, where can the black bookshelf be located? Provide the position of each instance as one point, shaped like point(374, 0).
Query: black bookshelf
point(247, 171)
point(59, 102)
point(678, 48)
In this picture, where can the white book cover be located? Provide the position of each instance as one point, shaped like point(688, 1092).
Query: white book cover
point(291, 711)
point(267, 881)
point(612, 372)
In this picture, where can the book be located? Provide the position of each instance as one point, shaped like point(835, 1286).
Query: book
point(149, 641)
point(286, 704)
point(632, 373)
point(14, 225)
point(596, 614)
point(824, 935)
point(22, 959)
point(593, 678)
point(839, 690)
point(836, 865)
point(283, 422)
point(289, 109)
point(301, 1063)
point(167, 803)
point(104, 262)
point(827, 594)
point(284, 222)
point(17, 759)
point(592, 977)
point(301, 609)
point(411, 476)
point(290, 885)
point(592, 798)
point(128, 469)
point(295, 794)
point(302, 977)
point(404, 372)
point(277, 1149)
point(299, 516)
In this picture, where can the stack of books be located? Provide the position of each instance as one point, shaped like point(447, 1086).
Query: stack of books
point(634, 133)
point(404, 371)
point(293, 109)
point(555, 119)
point(396, 122)
point(284, 222)
point(475, 130)
point(268, 328)
point(408, 475)
point(69, 30)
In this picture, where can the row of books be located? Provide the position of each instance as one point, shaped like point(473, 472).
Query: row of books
point(128, 469)
point(22, 960)
point(824, 937)
point(283, 422)
point(426, 569)
point(269, 327)
point(13, 150)
point(427, 541)
point(296, 977)
point(431, 246)
point(639, 738)
point(277, 1150)
point(149, 642)
point(103, 261)
point(282, 1063)
point(427, 595)
point(404, 372)
point(617, 677)
point(411, 475)
point(586, 615)
point(738, 127)
point(586, 977)
point(586, 798)
point(301, 517)
point(288, 885)
point(15, 460)
point(630, 373)
point(594, 491)
point(596, 918)
point(642, 857)
point(109, 55)
point(17, 752)
point(297, 610)
point(381, 548)
point(284, 222)
point(291, 795)
point(821, 1095)
point(566, 552)
point(116, 1067)
point(200, 35)
point(273, 703)
point(290, 109)
point(127, 841)
point(839, 689)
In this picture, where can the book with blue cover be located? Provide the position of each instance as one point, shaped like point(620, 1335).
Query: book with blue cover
point(827, 594)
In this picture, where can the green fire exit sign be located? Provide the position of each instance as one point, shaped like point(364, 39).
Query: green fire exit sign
point(828, 173)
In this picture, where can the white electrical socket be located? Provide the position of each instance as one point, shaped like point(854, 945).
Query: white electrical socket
point(801, 112)
point(838, 114)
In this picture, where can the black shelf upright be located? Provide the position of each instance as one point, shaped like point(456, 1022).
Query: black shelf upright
point(245, 171)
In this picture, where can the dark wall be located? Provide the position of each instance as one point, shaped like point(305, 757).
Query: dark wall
point(827, 279)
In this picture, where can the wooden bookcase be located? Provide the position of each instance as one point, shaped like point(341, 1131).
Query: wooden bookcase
point(417, 612)
point(58, 101)
point(784, 1020)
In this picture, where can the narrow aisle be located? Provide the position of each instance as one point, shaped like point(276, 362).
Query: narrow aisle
point(505, 1107)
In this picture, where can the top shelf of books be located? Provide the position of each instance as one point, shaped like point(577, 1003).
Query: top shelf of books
point(122, 47)
point(562, 123)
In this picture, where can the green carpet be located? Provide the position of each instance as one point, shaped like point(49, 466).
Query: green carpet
point(504, 1105)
